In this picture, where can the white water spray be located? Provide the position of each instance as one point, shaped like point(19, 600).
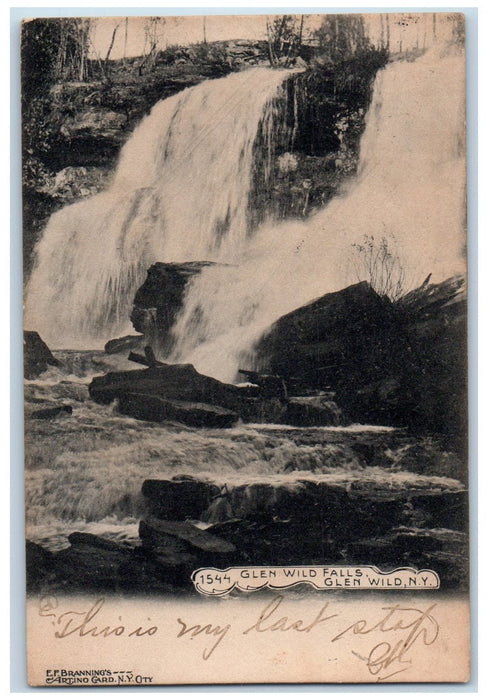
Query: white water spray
point(180, 193)
point(410, 188)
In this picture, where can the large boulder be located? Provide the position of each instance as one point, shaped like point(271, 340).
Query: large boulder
point(94, 122)
point(179, 392)
point(341, 335)
point(95, 564)
point(414, 521)
point(312, 411)
point(400, 363)
point(179, 498)
point(158, 301)
point(155, 408)
point(37, 356)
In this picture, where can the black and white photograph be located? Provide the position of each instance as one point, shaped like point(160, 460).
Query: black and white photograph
point(245, 348)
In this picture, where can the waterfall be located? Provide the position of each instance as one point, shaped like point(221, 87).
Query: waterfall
point(180, 192)
point(410, 189)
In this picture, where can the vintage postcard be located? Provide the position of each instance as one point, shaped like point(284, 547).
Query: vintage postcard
point(245, 349)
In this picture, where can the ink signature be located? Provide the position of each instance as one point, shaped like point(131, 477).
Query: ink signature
point(406, 627)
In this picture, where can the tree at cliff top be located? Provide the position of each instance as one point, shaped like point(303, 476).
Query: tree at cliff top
point(285, 36)
point(341, 37)
point(53, 50)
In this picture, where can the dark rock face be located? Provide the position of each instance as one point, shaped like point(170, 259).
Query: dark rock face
point(348, 524)
point(174, 382)
point(154, 408)
point(156, 531)
point(322, 342)
point(127, 342)
point(400, 363)
point(436, 376)
point(95, 122)
point(54, 412)
point(37, 356)
point(312, 411)
point(178, 498)
point(39, 565)
point(177, 392)
point(159, 299)
point(92, 563)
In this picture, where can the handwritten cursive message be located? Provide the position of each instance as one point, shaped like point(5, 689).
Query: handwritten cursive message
point(86, 623)
point(386, 642)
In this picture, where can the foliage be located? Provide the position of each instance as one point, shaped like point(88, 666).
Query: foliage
point(172, 54)
point(375, 261)
point(53, 50)
point(213, 56)
point(153, 34)
point(341, 37)
point(285, 36)
point(345, 50)
point(458, 29)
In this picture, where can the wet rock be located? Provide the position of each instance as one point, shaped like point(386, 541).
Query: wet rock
point(158, 300)
point(176, 549)
point(444, 551)
point(149, 571)
point(154, 408)
point(400, 363)
point(156, 530)
point(37, 356)
point(95, 564)
point(178, 499)
point(322, 343)
point(446, 508)
point(312, 411)
point(451, 567)
point(90, 540)
point(39, 566)
point(94, 122)
point(271, 386)
point(357, 522)
point(344, 508)
point(75, 182)
point(428, 457)
point(127, 342)
point(182, 383)
point(173, 382)
point(91, 563)
point(275, 541)
point(52, 412)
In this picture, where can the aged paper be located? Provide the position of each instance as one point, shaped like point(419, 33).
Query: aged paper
point(245, 349)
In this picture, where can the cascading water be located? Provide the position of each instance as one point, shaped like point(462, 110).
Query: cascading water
point(180, 193)
point(410, 189)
